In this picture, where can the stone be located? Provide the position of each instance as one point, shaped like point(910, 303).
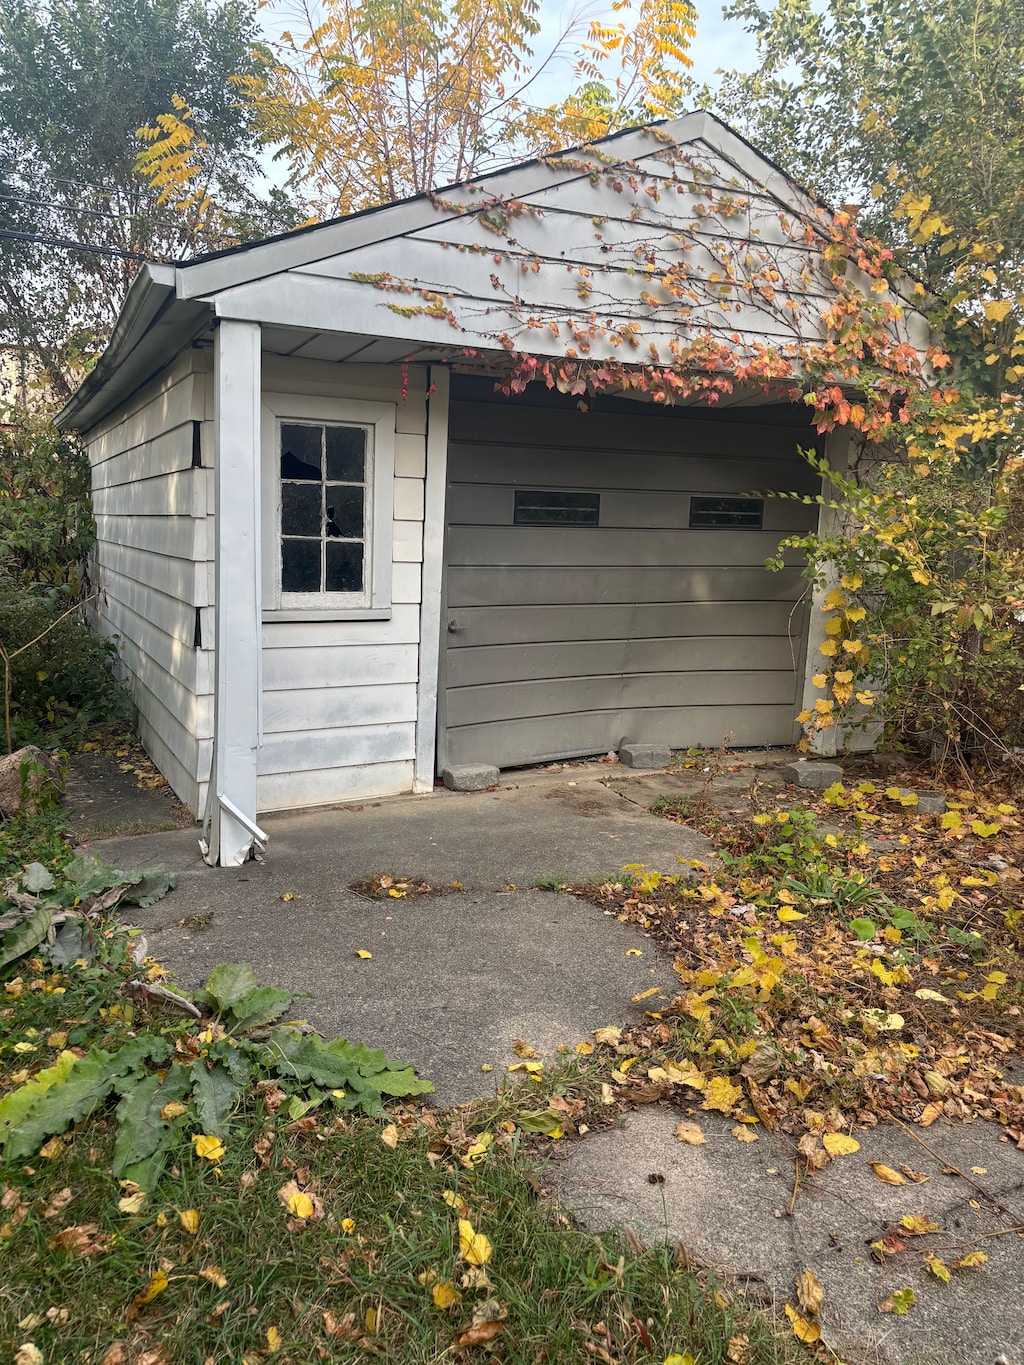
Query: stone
point(928, 803)
point(28, 778)
point(470, 777)
point(645, 755)
point(814, 776)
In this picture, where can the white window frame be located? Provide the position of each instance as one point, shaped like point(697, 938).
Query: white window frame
point(374, 602)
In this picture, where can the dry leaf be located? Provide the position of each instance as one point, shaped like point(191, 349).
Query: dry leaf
point(840, 1144)
point(445, 1294)
point(132, 1203)
point(361, 952)
point(389, 1136)
point(609, 1035)
point(49, 1151)
point(918, 1224)
point(158, 1282)
point(809, 1293)
point(474, 1246)
point(689, 1133)
point(930, 1113)
point(85, 1240)
point(478, 1335)
point(742, 1133)
point(721, 1094)
point(274, 1340)
point(29, 1354)
point(886, 1173)
point(300, 1203)
point(738, 1350)
point(189, 1219)
point(803, 1328)
point(215, 1275)
point(208, 1146)
point(57, 1203)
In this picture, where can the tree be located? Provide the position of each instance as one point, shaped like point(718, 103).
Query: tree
point(381, 99)
point(77, 79)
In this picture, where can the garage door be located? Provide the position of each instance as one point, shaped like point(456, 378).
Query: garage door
point(605, 578)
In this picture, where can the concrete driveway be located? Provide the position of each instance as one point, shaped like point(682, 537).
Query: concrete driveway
point(453, 977)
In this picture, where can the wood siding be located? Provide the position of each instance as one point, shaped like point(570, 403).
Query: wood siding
point(150, 564)
point(339, 696)
point(568, 639)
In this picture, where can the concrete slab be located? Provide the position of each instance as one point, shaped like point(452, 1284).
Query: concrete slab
point(453, 978)
point(729, 1204)
point(101, 800)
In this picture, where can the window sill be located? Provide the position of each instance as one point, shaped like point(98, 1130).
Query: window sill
point(326, 614)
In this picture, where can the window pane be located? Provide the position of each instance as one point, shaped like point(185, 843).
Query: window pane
point(346, 454)
point(344, 566)
point(300, 565)
point(300, 509)
point(300, 452)
point(726, 512)
point(344, 510)
point(561, 509)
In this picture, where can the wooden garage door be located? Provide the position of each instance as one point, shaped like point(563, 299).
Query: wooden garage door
point(565, 636)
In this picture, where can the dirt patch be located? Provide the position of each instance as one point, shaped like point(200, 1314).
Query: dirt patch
point(577, 801)
point(117, 790)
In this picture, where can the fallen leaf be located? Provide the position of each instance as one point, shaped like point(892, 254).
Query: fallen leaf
point(685, 1074)
point(300, 1203)
point(132, 1203)
point(721, 1094)
point(361, 952)
point(609, 1035)
point(886, 1173)
point(215, 1275)
point(189, 1219)
point(926, 994)
point(803, 1328)
point(29, 1354)
point(689, 1133)
point(523, 1049)
point(930, 1113)
point(677, 1359)
point(918, 1224)
point(49, 1151)
point(971, 1261)
point(474, 1246)
point(57, 1203)
point(810, 1294)
point(348, 1226)
point(840, 1144)
point(208, 1146)
point(900, 1302)
point(172, 1110)
point(787, 915)
point(158, 1282)
point(936, 1267)
point(744, 1134)
point(389, 1135)
point(584, 1049)
point(478, 1335)
point(738, 1349)
point(274, 1340)
point(85, 1240)
point(445, 1294)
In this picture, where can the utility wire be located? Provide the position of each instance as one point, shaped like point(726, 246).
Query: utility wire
point(75, 210)
point(71, 245)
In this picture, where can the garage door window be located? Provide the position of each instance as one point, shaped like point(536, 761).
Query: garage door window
point(545, 508)
point(734, 512)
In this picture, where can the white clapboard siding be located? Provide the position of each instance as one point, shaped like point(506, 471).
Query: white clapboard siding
point(339, 697)
point(149, 562)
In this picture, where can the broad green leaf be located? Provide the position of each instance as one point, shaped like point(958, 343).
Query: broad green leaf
point(144, 1136)
point(214, 1094)
point(70, 944)
point(26, 935)
point(37, 878)
point(14, 1106)
point(864, 928)
point(539, 1121)
point(149, 885)
point(227, 983)
point(258, 1007)
point(78, 1094)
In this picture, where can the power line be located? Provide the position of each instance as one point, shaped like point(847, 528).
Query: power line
point(75, 210)
point(70, 244)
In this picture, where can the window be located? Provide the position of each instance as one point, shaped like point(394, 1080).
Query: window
point(736, 512)
point(323, 508)
point(328, 469)
point(556, 509)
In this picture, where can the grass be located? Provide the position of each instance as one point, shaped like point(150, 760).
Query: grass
point(235, 1275)
point(339, 1291)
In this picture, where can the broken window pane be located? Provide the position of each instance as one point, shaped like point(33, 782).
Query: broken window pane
point(301, 450)
point(344, 511)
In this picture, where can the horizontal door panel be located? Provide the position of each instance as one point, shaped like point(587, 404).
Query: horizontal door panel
point(503, 586)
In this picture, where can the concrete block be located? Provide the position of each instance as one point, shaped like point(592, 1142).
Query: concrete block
point(470, 777)
point(928, 803)
point(812, 775)
point(645, 755)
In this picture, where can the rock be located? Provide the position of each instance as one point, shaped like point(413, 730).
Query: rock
point(470, 777)
point(645, 755)
point(813, 775)
point(928, 803)
point(28, 778)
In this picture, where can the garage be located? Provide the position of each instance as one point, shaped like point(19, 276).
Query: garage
point(605, 576)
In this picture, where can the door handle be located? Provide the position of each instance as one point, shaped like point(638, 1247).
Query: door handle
point(453, 627)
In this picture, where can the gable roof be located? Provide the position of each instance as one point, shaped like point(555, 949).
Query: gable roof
point(350, 268)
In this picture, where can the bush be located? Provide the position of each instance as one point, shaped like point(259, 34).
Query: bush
point(63, 684)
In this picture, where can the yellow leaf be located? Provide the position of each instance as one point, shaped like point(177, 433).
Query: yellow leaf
point(937, 1268)
point(687, 1074)
point(852, 646)
point(834, 599)
point(918, 1224)
point(28, 1353)
point(788, 915)
point(215, 1275)
point(158, 1282)
point(133, 1202)
point(721, 1094)
point(207, 1146)
point(744, 1134)
point(828, 648)
point(886, 1173)
point(608, 1035)
point(997, 309)
point(983, 830)
point(300, 1205)
point(634, 952)
point(445, 1294)
point(809, 1293)
point(475, 1247)
point(172, 1110)
point(971, 1260)
point(361, 952)
point(348, 1226)
point(370, 1319)
point(676, 1359)
point(288, 896)
point(803, 1328)
point(189, 1219)
point(689, 1133)
point(389, 1136)
point(925, 994)
point(840, 1144)
point(820, 680)
point(851, 581)
point(273, 1340)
